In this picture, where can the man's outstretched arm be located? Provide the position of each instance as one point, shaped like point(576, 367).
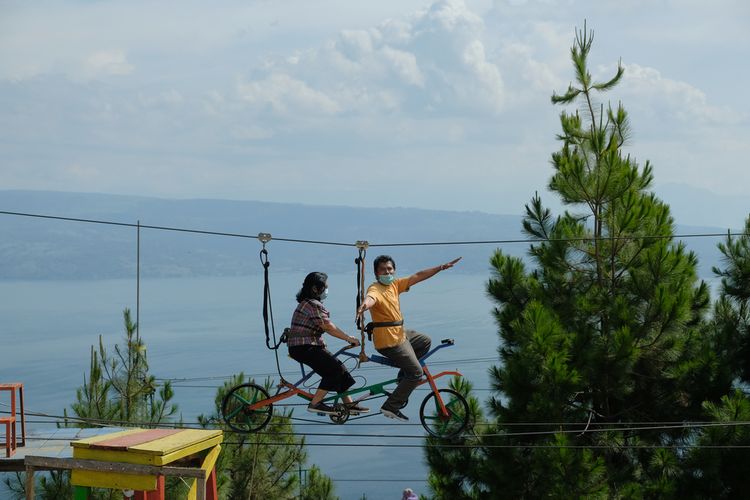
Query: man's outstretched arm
point(430, 272)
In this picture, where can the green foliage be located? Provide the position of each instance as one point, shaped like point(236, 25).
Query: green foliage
point(717, 467)
point(53, 486)
point(449, 466)
point(720, 469)
point(317, 486)
point(732, 311)
point(267, 463)
point(119, 388)
point(119, 391)
point(602, 330)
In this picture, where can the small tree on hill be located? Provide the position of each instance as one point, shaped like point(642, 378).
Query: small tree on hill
point(264, 464)
point(119, 387)
point(118, 390)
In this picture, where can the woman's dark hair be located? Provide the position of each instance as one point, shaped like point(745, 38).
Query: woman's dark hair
point(381, 259)
point(313, 286)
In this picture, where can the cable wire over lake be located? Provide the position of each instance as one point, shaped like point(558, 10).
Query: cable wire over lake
point(376, 244)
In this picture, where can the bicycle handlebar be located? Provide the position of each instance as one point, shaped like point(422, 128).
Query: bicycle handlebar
point(384, 361)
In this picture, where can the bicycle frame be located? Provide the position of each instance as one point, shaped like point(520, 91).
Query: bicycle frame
point(442, 418)
point(378, 389)
point(372, 390)
point(292, 389)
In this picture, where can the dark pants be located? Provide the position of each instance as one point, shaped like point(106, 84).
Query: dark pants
point(406, 356)
point(334, 375)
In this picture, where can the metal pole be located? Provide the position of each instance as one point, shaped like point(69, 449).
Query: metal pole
point(138, 284)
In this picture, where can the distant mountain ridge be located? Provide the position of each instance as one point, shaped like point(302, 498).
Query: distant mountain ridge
point(34, 248)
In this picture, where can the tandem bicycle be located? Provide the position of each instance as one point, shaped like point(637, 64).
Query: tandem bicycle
point(444, 413)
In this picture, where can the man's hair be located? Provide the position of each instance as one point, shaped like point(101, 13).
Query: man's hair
point(382, 259)
point(314, 284)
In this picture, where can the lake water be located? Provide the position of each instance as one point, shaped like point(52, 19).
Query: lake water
point(206, 329)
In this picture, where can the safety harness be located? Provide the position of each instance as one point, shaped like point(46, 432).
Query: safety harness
point(369, 327)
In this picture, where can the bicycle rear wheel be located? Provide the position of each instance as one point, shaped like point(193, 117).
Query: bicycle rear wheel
point(236, 412)
point(446, 425)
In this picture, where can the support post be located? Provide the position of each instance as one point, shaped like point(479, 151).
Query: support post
point(29, 483)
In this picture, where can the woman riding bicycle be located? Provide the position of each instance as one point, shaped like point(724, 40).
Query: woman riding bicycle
point(306, 345)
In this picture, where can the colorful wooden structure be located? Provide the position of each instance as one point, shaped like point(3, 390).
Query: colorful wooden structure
point(139, 460)
point(11, 421)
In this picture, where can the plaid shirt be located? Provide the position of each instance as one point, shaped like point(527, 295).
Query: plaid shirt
point(307, 324)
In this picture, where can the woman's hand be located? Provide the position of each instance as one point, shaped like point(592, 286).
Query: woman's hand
point(353, 341)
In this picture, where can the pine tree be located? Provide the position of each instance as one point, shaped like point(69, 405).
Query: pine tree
point(718, 467)
point(264, 464)
point(317, 486)
point(450, 465)
point(119, 390)
point(119, 387)
point(601, 330)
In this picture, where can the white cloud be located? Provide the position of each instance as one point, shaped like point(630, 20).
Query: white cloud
point(408, 85)
point(252, 133)
point(451, 16)
point(170, 97)
point(286, 95)
point(682, 100)
point(405, 65)
point(84, 174)
point(433, 62)
point(357, 44)
point(538, 75)
point(106, 63)
point(488, 79)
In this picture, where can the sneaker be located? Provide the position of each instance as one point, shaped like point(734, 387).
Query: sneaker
point(395, 414)
point(321, 408)
point(355, 409)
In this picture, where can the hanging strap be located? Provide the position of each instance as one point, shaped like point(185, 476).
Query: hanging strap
point(360, 262)
point(267, 306)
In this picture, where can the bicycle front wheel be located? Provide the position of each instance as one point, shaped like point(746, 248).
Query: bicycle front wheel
point(444, 424)
point(235, 409)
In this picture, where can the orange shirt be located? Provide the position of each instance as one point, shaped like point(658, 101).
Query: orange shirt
point(387, 308)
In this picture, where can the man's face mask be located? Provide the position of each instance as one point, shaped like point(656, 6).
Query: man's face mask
point(386, 279)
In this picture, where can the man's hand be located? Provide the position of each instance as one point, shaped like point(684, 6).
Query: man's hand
point(450, 264)
point(366, 304)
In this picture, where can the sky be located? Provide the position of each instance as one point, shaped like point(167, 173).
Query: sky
point(432, 104)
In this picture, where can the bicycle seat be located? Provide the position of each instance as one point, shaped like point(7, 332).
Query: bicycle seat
point(382, 360)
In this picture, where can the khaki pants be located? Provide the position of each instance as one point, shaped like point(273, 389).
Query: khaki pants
point(406, 356)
